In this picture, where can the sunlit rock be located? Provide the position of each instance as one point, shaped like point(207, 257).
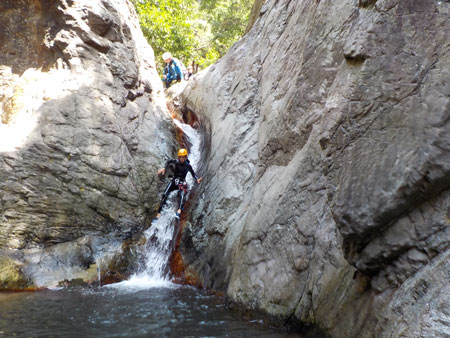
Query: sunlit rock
point(83, 129)
point(12, 276)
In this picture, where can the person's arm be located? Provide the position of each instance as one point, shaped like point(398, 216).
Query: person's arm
point(194, 175)
point(170, 73)
point(167, 72)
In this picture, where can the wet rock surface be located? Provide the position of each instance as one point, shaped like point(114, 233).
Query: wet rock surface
point(326, 194)
point(83, 130)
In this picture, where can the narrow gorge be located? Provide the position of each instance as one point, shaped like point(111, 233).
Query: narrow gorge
point(325, 154)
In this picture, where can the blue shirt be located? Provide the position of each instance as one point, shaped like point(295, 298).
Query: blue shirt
point(173, 70)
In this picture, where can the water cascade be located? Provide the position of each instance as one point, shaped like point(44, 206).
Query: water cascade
point(161, 234)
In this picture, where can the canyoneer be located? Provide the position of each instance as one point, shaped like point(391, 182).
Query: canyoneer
point(174, 70)
point(181, 168)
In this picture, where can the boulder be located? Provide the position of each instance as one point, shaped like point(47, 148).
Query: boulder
point(11, 275)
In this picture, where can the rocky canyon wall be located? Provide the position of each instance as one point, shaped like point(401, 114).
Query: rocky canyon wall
point(326, 194)
point(83, 129)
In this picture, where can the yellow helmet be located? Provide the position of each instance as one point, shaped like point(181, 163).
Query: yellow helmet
point(182, 152)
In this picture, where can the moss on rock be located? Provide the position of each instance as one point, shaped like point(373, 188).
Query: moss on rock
point(11, 275)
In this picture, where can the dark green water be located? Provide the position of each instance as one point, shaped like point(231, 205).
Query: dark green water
point(121, 312)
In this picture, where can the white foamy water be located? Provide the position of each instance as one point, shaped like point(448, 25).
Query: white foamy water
point(160, 236)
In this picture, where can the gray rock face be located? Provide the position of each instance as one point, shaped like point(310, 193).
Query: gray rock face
point(84, 128)
point(326, 196)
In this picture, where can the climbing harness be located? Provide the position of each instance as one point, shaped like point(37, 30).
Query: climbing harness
point(181, 184)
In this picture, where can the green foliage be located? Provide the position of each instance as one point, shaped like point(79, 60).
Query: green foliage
point(228, 20)
point(197, 31)
point(167, 26)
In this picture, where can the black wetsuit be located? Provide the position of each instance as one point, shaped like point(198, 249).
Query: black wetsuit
point(178, 181)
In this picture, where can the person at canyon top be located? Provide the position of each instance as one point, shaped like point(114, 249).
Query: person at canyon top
point(182, 167)
point(173, 70)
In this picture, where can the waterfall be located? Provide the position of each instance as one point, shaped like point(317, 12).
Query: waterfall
point(160, 235)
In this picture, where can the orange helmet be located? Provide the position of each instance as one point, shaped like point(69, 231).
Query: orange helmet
point(182, 152)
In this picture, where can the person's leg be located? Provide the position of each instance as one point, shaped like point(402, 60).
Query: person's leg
point(182, 198)
point(170, 187)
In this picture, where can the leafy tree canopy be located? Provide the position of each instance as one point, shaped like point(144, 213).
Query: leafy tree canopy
point(198, 31)
point(228, 20)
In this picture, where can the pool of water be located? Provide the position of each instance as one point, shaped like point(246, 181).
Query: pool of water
point(169, 311)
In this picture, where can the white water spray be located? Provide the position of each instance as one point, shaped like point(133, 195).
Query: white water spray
point(160, 235)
